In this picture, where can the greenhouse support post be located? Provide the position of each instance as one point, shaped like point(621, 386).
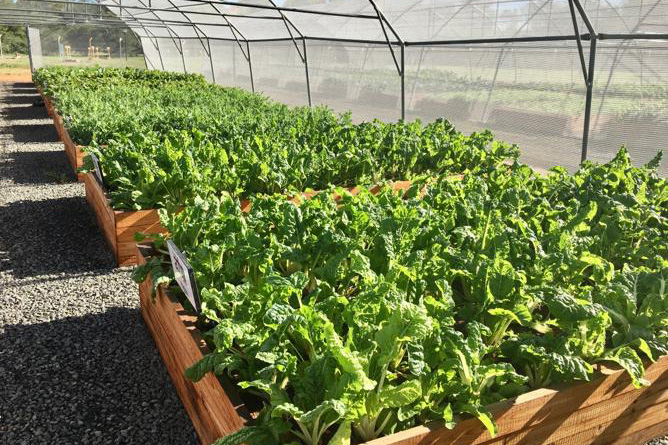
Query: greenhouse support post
point(308, 77)
point(183, 58)
point(302, 56)
point(34, 48)
point(32, 68)
point(236, 34)
point(250, 67)
point(590, 77)
point(400, 65)
point(590, 90)
point(157, 45)
point(578, 39)
point(403, 81)
point(213, 71)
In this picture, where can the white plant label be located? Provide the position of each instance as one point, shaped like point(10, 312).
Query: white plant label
point(184, 274)
point(97, 172)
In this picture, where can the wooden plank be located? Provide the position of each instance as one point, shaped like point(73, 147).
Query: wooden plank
point(127, 261)
point(127, 234)
point(127, 218)
point(47, 102)
point(528, 410)
point(58, 122)
point(70, 150)
point(644, 435)
point(395, 185)
point(126, 246)
point(212, 412)
point(79, 159)
point(120, 236)
point(558, 428)
point(74, 152)
point(126, 254)
point(103, 213)
point(620, 429)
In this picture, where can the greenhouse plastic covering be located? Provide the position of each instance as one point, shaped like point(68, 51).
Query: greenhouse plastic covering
point(512, 66)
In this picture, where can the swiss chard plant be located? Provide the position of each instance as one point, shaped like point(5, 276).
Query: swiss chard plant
point(357, 318)
point(165, 138)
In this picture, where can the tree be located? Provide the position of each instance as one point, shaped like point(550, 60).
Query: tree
point(14, 39)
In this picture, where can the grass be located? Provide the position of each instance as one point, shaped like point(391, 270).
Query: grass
point(18, 65)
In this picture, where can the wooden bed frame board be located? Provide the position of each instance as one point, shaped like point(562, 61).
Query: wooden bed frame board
point(211, 410)
point(606, 410)
point(74, 152)
point(119, 226)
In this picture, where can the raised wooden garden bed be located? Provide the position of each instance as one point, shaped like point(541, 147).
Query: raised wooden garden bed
point(47, 102)
point(74, 152)
point(120, 226)
point(607, 410)
point(212, 412)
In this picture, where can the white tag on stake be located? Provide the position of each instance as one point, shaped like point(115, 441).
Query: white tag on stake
point(97, 171)
point(184, 274)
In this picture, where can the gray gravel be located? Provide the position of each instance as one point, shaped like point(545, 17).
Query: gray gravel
point(77, 365)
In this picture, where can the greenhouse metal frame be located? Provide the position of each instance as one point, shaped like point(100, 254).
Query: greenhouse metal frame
point(362, 22)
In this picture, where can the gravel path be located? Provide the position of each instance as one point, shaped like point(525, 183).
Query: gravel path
point(77, 365)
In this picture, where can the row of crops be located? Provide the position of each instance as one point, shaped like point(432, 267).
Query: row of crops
point(171, 137)
point(353, 316)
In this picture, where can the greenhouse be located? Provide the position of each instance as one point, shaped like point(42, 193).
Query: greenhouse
point(334, 222)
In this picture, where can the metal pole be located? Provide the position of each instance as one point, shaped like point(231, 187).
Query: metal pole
point(157, 48)
point(213, 72)
point(403, 82)
point(183, 58)
point(287, 22)
point(250, 67)
point(585, 76)
point(29, 49)
point(590, 76)
point(401, 64)
point(197, 30)
point(308, 77)
point(141, 42)
point(590, 90)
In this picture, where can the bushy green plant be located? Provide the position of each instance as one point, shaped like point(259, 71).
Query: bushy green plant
point(362, 317)
point(169, 137)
